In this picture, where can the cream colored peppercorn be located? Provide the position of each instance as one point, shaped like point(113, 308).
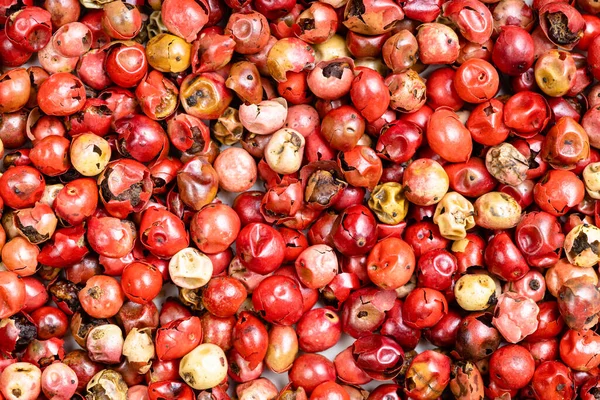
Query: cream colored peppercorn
point(454, 215)
point(475, 292)
point(204, 367)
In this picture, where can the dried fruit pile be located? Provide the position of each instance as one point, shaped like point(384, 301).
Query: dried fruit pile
point(429, 172)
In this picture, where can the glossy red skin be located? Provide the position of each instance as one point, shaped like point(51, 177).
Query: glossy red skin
point(218, 331)
point(170, 390)
point(542, 350)
point(185, 18)
point(338, 290)
point(141, 282)
point(283, 26)
point(486, 123)
point(423, 237)
point(16, 334)
point(448, 137)
point(514, 50)
point(324, 20)
point(524, 82)
point(162, 233)
point(562, 107)
point(188, 133)
point(318, 330)
point(350, 195)
point(250, 339)
point(172, 309)
point(471, 178)
point(163, 371)
point(6, 4)
point(539, 238)
point(274, 9)
point(477, 338)
point(90, 69)
point(223, 296)
point(436, 45)
point(504, 259)
point(435, 269)
point(399, 141)
point(139, 316)
point(582, 77)
point(558, 191)
point(114, 266)
point(282, 201)
point(532, 285)
point(310, 370)
point(473, 19)
point(317, 148)
point(152, 91)
point(35, 294)
point(441, 91)
point(50, 322)
point(365, 46)
point(212, 52)
point(589, 388)
point(177, 338)
point(83, 366)
point(369, 94)
point(376, 303)
point(342, 127)
point(295, 243)
point(61, 94)
point(111, 237)
point(554, 380)
point(476, 80)
point(141, 138)
point(526, 114)
point(295, 89)
point(94, 117)
point(239, 368)
point(120, 101)
point(395, 327)
point(444, 333)
point(278, 300)
point(347, 370)
point(493, 391)
point(309, 296)
point(354, 231)
point(423, 308)
point(379, 356)
point(330, 391)
point(472, 255)
point(575, 22)
point(21, 187)
point(247, 206)
point(565, 144)
point(512, 367)
point(30, 29)
point(12, 55)
point(260, 248)
point(250, 32)
point(591, 30)
point(390, 263)
point(579, 302)
point(163, 172)
point(66, 248)
point(102, 297)
point(550, 322)
point(126, 65)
